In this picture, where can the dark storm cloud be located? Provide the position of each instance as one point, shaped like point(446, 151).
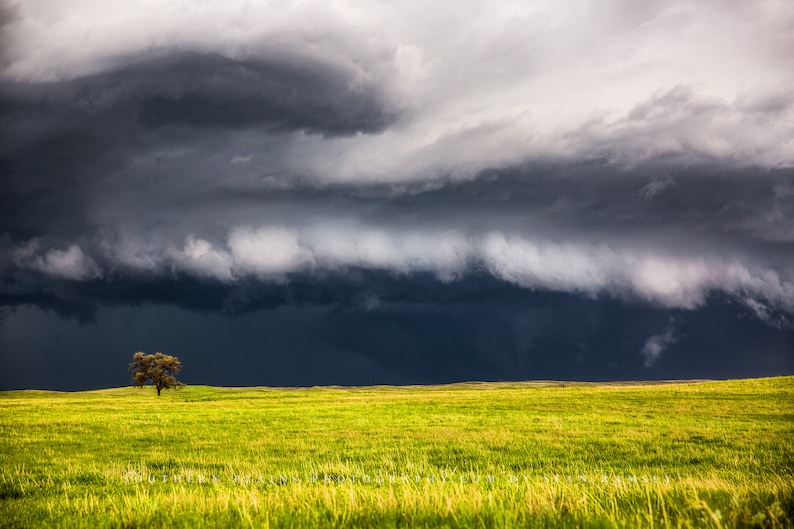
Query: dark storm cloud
point(69, 143)
point(276, 92)
point(495, 332)
point(273, 92)
point(436, 201)
point(576, 228)
point(8, 15)
point(282, 94)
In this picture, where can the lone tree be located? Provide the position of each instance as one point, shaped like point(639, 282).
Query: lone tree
point(158, 368)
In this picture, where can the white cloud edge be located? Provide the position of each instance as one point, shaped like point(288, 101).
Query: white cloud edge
point(272, 253)
point(70, 263)
point(564, 80)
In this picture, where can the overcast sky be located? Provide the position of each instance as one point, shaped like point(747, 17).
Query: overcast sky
point(331, 192)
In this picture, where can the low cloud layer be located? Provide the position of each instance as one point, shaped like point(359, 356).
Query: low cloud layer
point(70, 263)
point(663, 276)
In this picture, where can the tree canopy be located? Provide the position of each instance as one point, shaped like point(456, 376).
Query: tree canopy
point(158, 368)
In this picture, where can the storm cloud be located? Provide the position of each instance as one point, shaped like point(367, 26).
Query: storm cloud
point(418, 177)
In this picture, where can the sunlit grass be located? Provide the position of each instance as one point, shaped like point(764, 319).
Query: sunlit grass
point(705, 454)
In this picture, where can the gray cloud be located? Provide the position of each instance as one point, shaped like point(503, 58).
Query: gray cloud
point(668, 276)
point(658, 344)
point(584, 229)
point(231, 157)
point(542, 81)
point(276, 91)
point(286, 92)
point(70, 263)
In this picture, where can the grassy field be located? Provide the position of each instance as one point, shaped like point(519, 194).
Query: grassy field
point(698, 454)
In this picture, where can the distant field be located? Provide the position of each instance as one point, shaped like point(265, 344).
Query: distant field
point(699, 454)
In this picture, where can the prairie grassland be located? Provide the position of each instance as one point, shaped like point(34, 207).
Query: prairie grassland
point(696, 454)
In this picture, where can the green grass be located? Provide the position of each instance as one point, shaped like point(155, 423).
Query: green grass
point(699, 454)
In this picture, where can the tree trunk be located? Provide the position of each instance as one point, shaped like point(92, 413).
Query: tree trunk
point(158, 390)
